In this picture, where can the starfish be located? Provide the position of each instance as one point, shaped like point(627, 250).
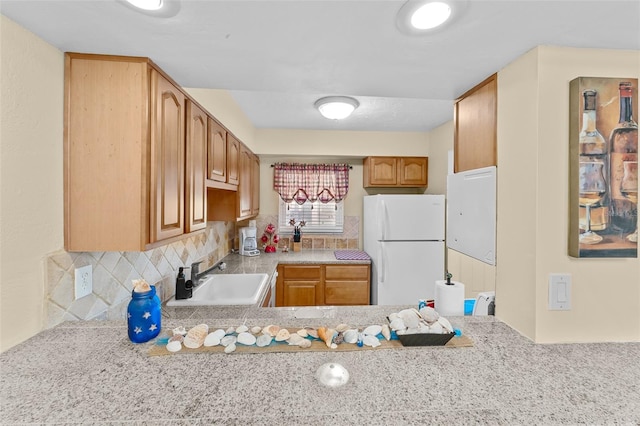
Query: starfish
point(137, 330)
point(146, 315)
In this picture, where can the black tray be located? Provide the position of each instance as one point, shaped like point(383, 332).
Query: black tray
point(425, 339)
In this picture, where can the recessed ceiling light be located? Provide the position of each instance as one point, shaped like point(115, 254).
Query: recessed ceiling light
point(430, 15)
point(147, 4)
point(418, 17)
point(336, 107)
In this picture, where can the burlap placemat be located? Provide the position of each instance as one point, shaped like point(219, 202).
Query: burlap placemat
point(316, 346)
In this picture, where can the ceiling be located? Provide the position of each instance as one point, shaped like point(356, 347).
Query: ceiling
point(278, 57)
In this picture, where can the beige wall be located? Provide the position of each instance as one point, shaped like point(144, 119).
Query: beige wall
point(31, 108)
point(533, 123)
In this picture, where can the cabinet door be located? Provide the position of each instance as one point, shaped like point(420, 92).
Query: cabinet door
point(346, 292)
point(413, 171)
point(475, 127)
point(383, 171)
point(217, 152)
point(244, 186)
point(233, 158)
point(302, 293)
point(167, 159)
point(196, 169)
point(255, 185)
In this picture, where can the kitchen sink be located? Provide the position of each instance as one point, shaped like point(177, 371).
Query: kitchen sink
point(226, 289)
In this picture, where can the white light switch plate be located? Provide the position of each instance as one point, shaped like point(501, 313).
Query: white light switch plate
point(559, 292)
point(83, 281)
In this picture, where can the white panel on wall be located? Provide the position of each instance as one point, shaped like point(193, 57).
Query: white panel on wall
point(471, 213)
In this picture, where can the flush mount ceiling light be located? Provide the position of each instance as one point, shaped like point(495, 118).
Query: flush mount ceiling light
point(336, 107)
point(418, 17)
point(155, 8)
point(147, 4)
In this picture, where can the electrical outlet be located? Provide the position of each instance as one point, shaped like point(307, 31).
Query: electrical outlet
point(560, 292)
point(83, 281)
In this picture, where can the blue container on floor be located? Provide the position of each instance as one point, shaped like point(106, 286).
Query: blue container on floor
point(468, 306)
point(143, 316)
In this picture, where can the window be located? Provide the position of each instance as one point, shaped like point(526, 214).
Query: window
point(319, 218)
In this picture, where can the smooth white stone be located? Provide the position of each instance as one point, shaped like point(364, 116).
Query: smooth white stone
point(230, 348)
point(256, 329)
point(351, 336)
point(219, 333)
point(370, 340)
point(211, 340)
point(372, 330)
point(247, 339)
point(228, 340)
point(174, 346)
point(242, 328)
point(264, 340)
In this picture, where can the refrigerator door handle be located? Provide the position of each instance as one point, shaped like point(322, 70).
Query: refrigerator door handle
point(383, 219)
point(381, 264)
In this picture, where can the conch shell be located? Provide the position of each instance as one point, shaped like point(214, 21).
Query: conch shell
point(326, 335)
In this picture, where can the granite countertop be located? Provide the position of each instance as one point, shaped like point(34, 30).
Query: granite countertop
point(89, 372)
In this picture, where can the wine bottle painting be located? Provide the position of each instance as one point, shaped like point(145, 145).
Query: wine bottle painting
point(603, 167)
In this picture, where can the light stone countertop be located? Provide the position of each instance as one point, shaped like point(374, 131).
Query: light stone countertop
point(89, 372)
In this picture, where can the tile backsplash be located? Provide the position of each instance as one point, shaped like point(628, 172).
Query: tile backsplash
point(114, 271)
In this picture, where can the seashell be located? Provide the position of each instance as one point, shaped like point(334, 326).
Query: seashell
point(393, 316)
point(302, 332)
point(351, 336)
point(230, 348)
point(283, 334)
point(219, 333)
point(436, 328)
point(180, 331)
point(423, 328)
point(429, 314)
point(313, 332)
point(386, 331)
point(242, 328)
point(211, 340)
point(372, 330)
point(256, 329)
point(271, 330)
point(411, 317)
point(228, 340)
point(176, 338)
point(230, 330)
point(342, 328)
point(333, 346)
point(338, 338)
point(412, 330)
point(247, 339)
point(263, 340)
point(195, 337)
point(446, 325)
point(174, 346)
point(397, 324)
point(306, 343)
point(295, 339)
point(326, 335)
point(370, 340)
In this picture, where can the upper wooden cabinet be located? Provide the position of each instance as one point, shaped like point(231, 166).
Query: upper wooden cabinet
point(196, 168)
point(244, 203)
point(475, 127)
point(396, 172)
point(223, 154)
point(134, 155)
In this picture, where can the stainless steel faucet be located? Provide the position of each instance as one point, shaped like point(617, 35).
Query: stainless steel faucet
point(196, 274)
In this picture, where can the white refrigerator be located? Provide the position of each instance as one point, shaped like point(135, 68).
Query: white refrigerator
point(404, 236)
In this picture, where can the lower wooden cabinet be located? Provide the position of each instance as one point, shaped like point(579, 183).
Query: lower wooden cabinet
point(319, 285)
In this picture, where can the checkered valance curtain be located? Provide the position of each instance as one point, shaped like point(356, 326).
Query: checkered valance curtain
point(311, 182)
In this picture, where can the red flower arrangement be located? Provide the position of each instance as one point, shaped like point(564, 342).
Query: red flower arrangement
point(270, 238)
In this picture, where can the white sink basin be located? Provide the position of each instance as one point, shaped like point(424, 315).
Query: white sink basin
point(226, 289)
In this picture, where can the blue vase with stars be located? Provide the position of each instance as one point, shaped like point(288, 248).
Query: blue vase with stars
point(143, 316)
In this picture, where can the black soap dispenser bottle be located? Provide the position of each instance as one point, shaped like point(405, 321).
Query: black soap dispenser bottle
point(184, 288)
